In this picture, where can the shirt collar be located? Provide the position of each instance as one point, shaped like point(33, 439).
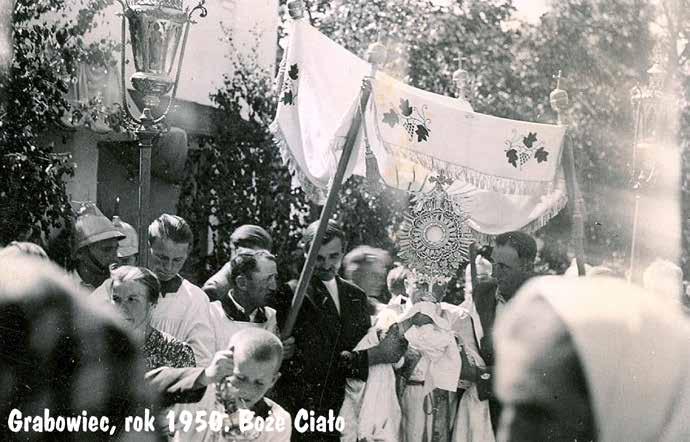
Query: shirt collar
point(239, 307)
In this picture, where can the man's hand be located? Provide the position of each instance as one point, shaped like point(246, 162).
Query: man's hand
point(288, 347)
point(390, 349)
point(221, 365)
point(468, 371)
point(418, 319)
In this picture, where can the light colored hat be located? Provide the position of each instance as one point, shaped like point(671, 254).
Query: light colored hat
point(130, 244)
point(92, 226)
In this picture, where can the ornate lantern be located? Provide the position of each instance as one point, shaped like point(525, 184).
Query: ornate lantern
point(651, 113)
point(158, 32)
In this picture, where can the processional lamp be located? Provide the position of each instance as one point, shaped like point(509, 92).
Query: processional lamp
point(646, 101)
point(156, 28)
point(560, 102)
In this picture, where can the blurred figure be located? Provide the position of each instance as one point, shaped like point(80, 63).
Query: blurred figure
point(589, 270)
point(395, 281)
point(665, 279)
point(62, 355)
point(247, 236)
point(367, 267)
point(95, 248)
point(128, 247)
point(592, 359)
point(16, 248)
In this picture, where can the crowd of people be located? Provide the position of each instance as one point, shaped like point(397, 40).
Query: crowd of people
point(376, 351)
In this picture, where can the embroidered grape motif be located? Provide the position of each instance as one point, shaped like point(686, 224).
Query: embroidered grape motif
point(409, 128)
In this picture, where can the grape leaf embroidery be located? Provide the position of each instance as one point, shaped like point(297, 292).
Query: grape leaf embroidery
point(287, 97)
point(530, 139)
point(422, 133)
point(289, 93)
point(541, 155)
point(391, 118)
point(405, 108)
point(412, 119)
point(520, 149)
point(293, 72)
point(512, 157)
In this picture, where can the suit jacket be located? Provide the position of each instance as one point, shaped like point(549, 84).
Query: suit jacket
point(314, 378)
point(176, 385)
point(484, 296)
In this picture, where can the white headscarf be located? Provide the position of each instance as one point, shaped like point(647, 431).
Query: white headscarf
point(634, 351)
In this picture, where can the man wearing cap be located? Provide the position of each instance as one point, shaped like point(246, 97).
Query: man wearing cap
point(96, 241)
point(128, 248)
point(247, 236)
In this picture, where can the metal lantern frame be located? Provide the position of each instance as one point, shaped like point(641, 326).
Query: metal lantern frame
point(156, 27)
point(647, 102)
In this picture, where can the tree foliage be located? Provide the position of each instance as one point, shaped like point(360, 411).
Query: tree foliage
point(238, 177)
point(46, 54)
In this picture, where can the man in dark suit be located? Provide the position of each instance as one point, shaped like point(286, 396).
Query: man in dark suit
point(513, 264)
point(333, 319)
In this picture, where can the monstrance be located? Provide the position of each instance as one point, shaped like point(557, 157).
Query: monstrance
point(435, 237)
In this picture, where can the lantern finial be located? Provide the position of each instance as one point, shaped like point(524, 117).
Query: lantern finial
point(295, 9)
point(559, 99)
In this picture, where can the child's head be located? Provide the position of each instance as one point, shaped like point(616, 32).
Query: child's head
point(257, 355)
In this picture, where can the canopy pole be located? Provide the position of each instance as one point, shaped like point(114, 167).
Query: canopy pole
point(559, 102)
point(376, 56)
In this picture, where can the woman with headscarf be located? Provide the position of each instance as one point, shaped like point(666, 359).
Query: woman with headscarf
point(592, 359)
point(134, 291)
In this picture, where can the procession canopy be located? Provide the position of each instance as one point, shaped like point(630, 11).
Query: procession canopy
point(506, 172)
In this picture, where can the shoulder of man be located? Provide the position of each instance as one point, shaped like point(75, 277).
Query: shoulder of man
point(196, 294)
point(353, 289)
point(220, 278)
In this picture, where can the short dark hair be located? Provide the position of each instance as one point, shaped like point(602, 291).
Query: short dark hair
point(141, 275)
point(245, 263)
point(524, 244)
point(170, 227)
point(333, 230)
point(259, 345)
point(250, 236)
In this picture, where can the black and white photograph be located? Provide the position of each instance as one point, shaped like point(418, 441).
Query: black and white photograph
point(345, 220)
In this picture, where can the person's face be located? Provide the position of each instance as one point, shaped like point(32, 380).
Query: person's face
point(370, 277)
point(508, 269)
point(130, 260)
point(252, 379)
point(104, 252)
point(328, 260)
point(167, 258)
point(416, 290)
point(131, 300)
point(262, 283)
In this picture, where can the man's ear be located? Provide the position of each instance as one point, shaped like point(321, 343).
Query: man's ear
point(241, 282)
point(275, 379)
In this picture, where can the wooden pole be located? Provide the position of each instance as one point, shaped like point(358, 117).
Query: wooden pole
point(559, 102)
point(375, 52)
point(146, 134)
